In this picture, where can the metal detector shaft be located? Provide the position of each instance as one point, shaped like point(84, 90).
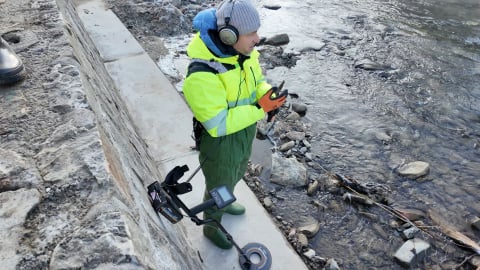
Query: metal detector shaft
point(248, 263)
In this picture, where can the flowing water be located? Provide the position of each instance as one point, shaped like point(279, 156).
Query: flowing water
point(388, 82)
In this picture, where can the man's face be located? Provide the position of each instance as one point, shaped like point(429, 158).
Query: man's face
point(246, 43)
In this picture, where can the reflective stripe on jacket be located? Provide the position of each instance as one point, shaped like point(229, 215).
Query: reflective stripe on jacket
point(224, 101)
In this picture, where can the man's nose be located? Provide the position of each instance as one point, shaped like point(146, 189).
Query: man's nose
point(256, 38)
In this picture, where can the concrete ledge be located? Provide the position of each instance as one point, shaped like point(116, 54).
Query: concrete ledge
point(163, 120)
point(113, 40)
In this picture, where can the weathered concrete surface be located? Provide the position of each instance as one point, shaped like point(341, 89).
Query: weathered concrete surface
point(72, 165)
point(82, 137)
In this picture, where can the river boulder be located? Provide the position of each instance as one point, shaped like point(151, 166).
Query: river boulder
point(414, 170)
point(287, 171)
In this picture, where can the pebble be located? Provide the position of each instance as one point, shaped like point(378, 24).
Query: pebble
point(350, 197)
point(299, 108)
point(267, 202)
point(414, 170)
point(312, 187)
point(286, 146)
point(332, 264)
point(411, 252)
point(303, 240)
point(310, 229)
point(310, 253)
point(410, 233)
point(475, 223)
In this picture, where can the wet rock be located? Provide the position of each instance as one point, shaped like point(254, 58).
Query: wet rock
point(332, 265)
point(293, 116)
point(263, 127)
point(286, 146)
point(384, 137)
point(312, 187)
point(411, 252)
point(287, 171)
point(311, 45)
point(306, 143)
point(272, 7)
point(295, 135)
point(267, 202)
point(475, 261)
point(310, 227)
point(319, 205)
point(278, 40)
point(330, 183)
point(394, 224)
point(410, 233)
point(302, 240)
point(350, 197)
point(299, 108)
point(255, 169)
point(291, 233)
point(475, 223)
point(414, 170)
point(369, 65)
point(310, 253)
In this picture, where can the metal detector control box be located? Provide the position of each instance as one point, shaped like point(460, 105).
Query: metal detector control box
point(222, 196)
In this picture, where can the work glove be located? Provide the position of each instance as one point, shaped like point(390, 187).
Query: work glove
point(272, 99)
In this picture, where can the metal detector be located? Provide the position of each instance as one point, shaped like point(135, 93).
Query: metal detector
point(164, 199)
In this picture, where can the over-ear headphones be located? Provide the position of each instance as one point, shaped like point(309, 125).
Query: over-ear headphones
point(228, 33)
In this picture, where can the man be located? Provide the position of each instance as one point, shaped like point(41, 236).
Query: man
point(227, 92)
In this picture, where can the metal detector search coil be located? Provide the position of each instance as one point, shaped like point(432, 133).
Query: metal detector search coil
point(257, 250)
point(164, 199)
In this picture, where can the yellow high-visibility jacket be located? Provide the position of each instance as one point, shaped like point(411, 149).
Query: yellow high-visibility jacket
point(223, 97)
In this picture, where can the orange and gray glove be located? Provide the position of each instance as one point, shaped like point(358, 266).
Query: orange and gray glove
point(272, 100)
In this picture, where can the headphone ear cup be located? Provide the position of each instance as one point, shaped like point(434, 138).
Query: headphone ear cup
point(228, 35)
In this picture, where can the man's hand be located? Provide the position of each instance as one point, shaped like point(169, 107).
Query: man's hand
point(272, 100)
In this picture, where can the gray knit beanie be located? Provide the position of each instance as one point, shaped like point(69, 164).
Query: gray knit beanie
point(243, 16)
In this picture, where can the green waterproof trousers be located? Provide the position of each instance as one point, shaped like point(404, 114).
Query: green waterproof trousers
point(225, 160)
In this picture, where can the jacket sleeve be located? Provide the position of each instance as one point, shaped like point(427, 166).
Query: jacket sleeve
point(206, 96)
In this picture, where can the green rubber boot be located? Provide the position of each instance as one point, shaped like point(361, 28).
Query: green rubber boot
point(212, 232)
point(235, 209)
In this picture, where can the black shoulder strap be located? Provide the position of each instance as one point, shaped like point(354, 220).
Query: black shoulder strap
point(200, 65)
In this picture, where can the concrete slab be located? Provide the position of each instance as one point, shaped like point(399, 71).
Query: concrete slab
point(107, 31)
point(164, 121)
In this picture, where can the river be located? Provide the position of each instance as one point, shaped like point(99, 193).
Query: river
point(419, 100)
